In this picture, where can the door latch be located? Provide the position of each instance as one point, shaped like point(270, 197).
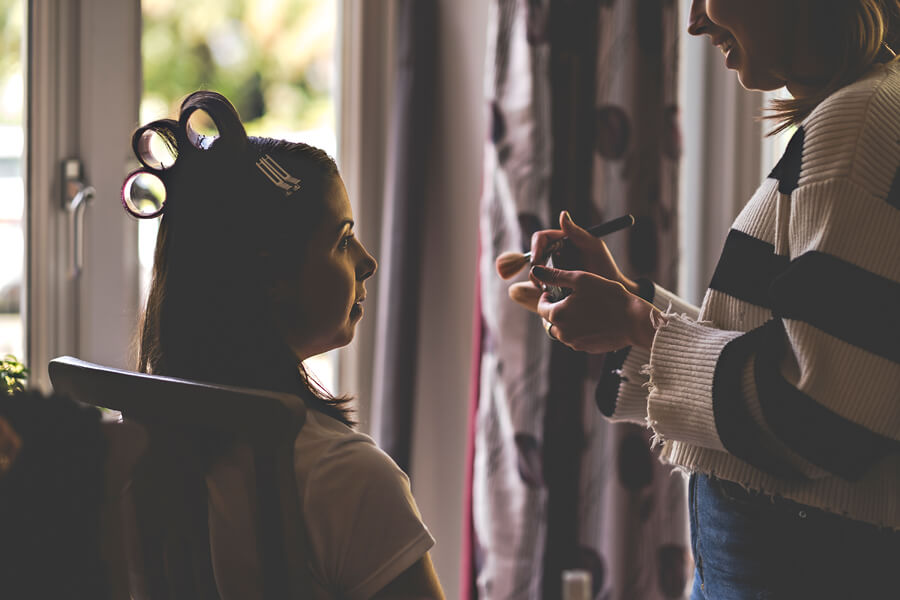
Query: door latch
point(76, 196)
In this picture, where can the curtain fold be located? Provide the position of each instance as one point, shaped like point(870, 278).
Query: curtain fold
point(396, 328)
point(581, 97)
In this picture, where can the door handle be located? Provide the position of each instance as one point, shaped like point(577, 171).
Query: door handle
point(76, 196)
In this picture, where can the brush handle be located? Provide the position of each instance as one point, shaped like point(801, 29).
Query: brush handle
point(600, 230)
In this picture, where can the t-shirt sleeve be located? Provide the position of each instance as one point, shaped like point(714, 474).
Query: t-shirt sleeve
point(362, 521)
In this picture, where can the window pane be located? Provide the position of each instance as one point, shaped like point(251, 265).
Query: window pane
point(12, 189)
point(275, 60)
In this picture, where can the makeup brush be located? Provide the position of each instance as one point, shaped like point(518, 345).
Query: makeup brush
point(510, 263)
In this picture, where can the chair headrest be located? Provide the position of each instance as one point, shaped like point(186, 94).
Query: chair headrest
point(258, 414)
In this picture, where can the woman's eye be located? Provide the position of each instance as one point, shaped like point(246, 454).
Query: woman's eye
point(345, 242)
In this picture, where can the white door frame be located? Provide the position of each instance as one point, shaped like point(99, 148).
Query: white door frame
point(82, 97)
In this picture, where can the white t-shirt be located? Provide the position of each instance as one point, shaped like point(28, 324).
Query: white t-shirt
point(362, 523)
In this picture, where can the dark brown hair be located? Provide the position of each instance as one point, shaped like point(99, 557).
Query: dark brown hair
point(227, 236)
point(851, 35)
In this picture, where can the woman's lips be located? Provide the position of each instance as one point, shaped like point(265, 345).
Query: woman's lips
point(727, 46)
point(356, 311)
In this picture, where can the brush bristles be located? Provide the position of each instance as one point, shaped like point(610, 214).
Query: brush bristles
point(510, 263)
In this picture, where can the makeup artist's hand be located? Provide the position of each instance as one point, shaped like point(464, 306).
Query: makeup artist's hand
point(598, 316)
point(595, 256)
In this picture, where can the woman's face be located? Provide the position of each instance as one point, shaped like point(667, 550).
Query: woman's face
point(319, 310)
point(754, 36)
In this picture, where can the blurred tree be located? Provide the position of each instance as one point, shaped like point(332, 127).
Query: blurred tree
point(272, 58)
point(12, 23)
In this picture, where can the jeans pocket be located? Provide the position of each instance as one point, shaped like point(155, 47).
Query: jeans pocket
point(738, 499)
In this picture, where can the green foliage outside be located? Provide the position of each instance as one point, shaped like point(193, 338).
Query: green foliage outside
point(12, 375)
point(274, 59)
point(12, 23)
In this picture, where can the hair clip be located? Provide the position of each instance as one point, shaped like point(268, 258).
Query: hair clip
point(889, 49)
point(277, 175)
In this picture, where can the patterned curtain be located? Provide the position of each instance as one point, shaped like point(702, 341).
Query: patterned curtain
point(583, 117)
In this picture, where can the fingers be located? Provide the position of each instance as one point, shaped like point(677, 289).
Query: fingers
point(570, 228)
point(577, 235)
point(548, 309)
point(539, 242)
point(557, 277)
point(525, 294)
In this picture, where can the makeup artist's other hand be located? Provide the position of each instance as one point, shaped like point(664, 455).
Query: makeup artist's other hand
point(595, 256)
point(599, 315)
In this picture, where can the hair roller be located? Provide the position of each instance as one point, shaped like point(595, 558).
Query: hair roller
point(156, 145)
point(231, 133)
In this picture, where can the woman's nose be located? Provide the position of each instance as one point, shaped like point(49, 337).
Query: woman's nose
point(697, 19)
point(366, 266)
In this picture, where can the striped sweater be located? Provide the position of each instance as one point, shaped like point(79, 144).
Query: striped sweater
point(787, 378)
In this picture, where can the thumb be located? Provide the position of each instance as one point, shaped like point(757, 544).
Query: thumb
point(556, 277)
point(576, 234)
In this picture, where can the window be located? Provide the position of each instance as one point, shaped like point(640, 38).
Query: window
point(274, 60)
point(12, 189)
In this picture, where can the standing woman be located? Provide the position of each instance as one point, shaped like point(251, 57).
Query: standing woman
point(781, 393)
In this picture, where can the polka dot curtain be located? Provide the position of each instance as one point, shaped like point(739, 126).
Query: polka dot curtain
point(581, 105)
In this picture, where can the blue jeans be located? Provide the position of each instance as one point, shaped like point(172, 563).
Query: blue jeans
point(750, 546)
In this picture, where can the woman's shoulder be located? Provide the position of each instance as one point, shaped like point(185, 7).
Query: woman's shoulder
point(326, 444)
point(855, 132)
point(862, 98)
point(362, 523)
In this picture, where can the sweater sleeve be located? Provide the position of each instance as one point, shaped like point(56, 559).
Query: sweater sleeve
point(622, 391)
point(814, 391)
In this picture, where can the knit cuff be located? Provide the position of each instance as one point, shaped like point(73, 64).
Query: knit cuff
point(682, 366)
point(666, 301)
point(631, 404)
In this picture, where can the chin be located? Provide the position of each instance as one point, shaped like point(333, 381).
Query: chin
point(754, 82)
point(346, 336)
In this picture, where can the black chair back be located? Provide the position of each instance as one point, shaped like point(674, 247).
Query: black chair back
point(161, 521)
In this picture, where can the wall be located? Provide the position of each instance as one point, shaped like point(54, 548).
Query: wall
point(448, 292)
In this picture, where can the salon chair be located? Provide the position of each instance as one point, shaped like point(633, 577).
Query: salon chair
point(201, 500)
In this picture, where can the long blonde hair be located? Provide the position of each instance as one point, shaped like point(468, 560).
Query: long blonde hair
point(857, 34)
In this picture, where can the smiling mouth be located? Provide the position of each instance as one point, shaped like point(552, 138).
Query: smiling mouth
point(725, 45)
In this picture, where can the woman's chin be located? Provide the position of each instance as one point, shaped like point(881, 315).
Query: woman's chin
point(756, 82)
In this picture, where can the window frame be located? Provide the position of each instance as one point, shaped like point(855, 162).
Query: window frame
point(82, 89)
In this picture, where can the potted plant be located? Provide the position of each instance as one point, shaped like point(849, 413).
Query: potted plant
point(12, 375)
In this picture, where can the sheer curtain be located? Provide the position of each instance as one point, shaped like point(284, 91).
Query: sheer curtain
point(390, 159)
point(411, 137)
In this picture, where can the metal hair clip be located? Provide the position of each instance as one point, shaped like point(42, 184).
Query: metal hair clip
point(277, 175)
point(889, 49)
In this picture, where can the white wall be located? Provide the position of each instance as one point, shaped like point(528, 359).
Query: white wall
point(448, 293)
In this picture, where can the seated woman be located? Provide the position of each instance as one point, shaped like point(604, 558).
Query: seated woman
point(257, 269)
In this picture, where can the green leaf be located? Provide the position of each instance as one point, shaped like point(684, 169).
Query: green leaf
point(12, 375)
